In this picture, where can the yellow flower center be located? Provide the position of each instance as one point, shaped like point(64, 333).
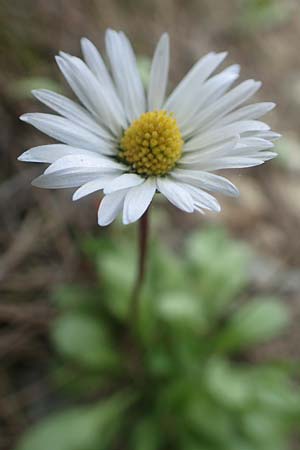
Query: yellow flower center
point(152, 144)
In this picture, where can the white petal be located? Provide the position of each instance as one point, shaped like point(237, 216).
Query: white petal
point(212, 136)
point(223, 106)
point(249, 146)
point(97, 66)
point(95, 62)
point(65, 179)
point(107, 106)
point(237, 162)
point(222, 82)
point(210, 151)
point(93, 186)
point(233, 148)
point(186, 93)
point(256, 143)
point(91, 161)
point(263, 155)
point(137, 200)
point(110, 207)
point(267, 156)
point(71, 111)
point(205, 180)
point(96, 97)
point(66, 131)
point(127, 180)
point(125, 73)
point(249, 112)
point(159, 74)
point(50, 153)
point(176, 194)
point(268, 135)
point(77, 85)
point(202, 199)
point(211, 90)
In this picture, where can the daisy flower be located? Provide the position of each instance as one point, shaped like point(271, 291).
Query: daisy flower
point(131, 143)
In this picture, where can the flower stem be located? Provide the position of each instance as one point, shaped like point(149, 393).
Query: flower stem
point(143, 246)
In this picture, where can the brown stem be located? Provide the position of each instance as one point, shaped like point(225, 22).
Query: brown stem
point(143, 244)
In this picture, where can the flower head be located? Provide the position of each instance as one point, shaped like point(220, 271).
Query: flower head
point(131, 144)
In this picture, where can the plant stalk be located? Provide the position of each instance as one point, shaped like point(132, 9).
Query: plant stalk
point(143, 247)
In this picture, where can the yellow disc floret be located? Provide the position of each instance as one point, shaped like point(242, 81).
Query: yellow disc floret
point(152, 144)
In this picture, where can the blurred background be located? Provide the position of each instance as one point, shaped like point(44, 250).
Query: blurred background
point(48, 242)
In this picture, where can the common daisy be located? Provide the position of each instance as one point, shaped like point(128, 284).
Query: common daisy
point(132, 144)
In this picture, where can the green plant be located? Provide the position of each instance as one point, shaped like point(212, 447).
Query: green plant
point(263, 14)
point(182, 378)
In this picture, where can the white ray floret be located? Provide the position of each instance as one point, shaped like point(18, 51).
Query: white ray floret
point(130, 143)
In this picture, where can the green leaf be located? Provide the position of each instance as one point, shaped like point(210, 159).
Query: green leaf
point(146, 435)
point(181, 308)
point(189, 442)
point(79, 381)
point(274, 391)
point(263, 14)
point(228, 385)
point(144, 67)
point(96, 247)
point(218, 266)
point(118, 272)
point(159, 361)
point(265, 428)
point(21, 89)
point(147, 320)
point(167, 272)
point(207, 419)
point(85, 340)
point(82, 428)
point(258, 321)
point(77, 298)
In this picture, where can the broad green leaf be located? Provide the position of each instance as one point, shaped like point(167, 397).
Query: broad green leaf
point(264, 427)
point(228, 385)
point(81, 428)
point(144, 67)
point(258, 321)
point(21, 89)
point(85, 340)
point(167, 272)
point(79, 381)
point(189, 442)
point(146, 435)
point(264, 14)
point(97, 247)
point(275, 391)
point(180, 308)
point(159, 361)
point(77, 298)
point(206, 418)
point(147, 319)
point(118, 272)
point(218, 267)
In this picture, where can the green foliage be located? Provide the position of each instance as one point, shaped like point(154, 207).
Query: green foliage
point(288, 146)
point(146, 435)
point(85, 340)
point(88, 428)
point(263, 14)
point(144, 66)
point(187, 362)
point(115, 263)
point(255, 322)
point(21, 89)
point(219, 268)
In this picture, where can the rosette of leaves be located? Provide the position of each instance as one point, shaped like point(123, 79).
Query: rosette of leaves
point(182, 379)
